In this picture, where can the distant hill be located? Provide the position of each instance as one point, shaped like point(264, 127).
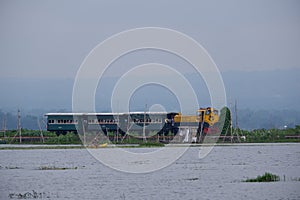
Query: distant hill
point(247, 119)
point(266, 99)
point(267, 119)
point(277, 89)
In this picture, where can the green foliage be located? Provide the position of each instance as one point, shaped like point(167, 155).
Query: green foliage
point(224, 120)
point(267, 177)
point(251, 136)
point(272, 135)
point(69, 138)
point(28, 133)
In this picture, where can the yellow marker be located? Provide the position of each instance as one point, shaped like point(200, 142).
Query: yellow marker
point(103, 145)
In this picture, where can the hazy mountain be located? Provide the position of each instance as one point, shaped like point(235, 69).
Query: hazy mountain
point(277, 89)
point(247, 119)
point(265, 98)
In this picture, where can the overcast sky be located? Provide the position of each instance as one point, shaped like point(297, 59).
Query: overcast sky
point(51, 38)
point(48, 41)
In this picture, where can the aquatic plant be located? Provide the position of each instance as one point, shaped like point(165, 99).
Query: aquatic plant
point(192, 179)
point(267, 177)
point(28, 195)
point(295, 179)
point(9, 167)
point(56, 168)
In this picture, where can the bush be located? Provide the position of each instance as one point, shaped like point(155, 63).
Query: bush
point(69, 138)
point(267, 177)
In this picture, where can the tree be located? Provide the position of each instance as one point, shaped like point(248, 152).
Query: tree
point(224, 120)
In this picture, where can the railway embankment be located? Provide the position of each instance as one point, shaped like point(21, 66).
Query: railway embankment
point(70, 140)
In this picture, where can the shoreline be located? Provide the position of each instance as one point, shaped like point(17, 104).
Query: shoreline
point(79, 146)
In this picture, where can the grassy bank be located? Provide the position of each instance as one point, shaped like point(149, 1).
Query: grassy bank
point(253, 136)
point(271, 135)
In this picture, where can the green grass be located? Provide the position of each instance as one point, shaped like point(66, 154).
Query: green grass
point(151, 144)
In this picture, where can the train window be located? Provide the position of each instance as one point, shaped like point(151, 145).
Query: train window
point(207, 112)
point(216, 112)
point(199, 114)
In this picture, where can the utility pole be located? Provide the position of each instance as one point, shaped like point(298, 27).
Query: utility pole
point(4, 126)
point(19, 126)
point(236, 122)
point(41, 130)
point(144, 126)
point(118, 119)
point(236, 115)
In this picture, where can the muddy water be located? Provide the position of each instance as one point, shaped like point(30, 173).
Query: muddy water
point(75, 174)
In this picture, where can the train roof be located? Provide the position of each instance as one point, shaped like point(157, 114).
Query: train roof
point(78, 114)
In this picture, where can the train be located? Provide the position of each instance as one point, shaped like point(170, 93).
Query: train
point(161, 123)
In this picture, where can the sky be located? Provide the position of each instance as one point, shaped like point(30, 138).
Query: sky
point(47, 41)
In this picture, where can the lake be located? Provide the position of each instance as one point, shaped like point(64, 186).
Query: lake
point(75, 174)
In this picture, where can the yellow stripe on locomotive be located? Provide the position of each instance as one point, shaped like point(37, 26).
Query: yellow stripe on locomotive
point(208, 115)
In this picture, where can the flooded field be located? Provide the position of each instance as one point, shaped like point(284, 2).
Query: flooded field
point(75, 174)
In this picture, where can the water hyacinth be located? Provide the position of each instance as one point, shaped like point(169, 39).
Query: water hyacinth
point(267, 177)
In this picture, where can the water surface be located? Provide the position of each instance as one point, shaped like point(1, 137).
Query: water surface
point(217, 176)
